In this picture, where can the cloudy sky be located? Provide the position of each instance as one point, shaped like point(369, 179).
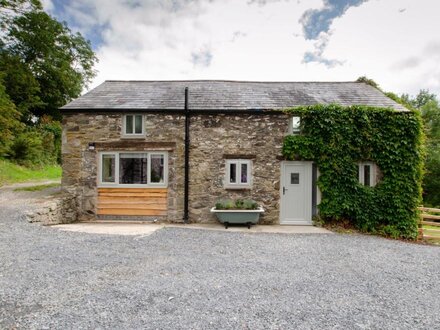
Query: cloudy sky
point(394, 42)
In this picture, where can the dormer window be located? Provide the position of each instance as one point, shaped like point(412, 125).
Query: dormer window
point(133, 126)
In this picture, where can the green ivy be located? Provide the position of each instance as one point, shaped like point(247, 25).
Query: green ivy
point(336, 138)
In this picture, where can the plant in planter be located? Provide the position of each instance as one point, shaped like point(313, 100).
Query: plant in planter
point(240, 211)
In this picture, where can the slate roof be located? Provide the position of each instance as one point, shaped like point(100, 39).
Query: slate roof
point(227, 95)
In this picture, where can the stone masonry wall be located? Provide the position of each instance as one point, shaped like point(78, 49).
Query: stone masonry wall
point(216, 137)
point(80, 165)
point(56, 210)
point(213, 138)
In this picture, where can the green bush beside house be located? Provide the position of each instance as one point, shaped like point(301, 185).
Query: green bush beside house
point(336, 138)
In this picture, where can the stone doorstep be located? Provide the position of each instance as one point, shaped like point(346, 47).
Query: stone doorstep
point(275, 229)
point(120, 221)
point(137, 228)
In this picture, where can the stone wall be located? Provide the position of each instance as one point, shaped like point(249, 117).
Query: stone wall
point(57, 210)
point(163, 132)
point(217, 137)
point(213, 139)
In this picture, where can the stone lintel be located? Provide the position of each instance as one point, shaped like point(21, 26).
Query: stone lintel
point(134, 144)
point(239, 156)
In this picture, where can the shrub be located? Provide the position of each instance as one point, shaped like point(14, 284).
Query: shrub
point(37, 145)
point(431, 182)
point(249, 204)
point(27, 149)
point(238, 204)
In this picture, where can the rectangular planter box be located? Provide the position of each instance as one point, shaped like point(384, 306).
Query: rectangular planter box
point(238, 216)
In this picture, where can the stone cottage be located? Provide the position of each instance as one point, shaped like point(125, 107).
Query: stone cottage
point(168, 150)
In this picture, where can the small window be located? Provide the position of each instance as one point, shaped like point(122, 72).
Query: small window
point(238, 174)
point(295, 125)
point(367, 174)
point(133, 125)
point(294, 178)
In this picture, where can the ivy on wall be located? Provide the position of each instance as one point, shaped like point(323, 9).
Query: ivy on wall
point(336, 138)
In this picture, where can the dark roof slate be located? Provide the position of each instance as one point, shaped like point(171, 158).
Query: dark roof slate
point(227, 95)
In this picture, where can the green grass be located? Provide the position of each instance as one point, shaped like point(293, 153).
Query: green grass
point(431, 233)
point(38, 187)
point(12, 173)
point(435, 234)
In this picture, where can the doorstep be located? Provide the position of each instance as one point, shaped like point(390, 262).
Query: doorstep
point(276, 229)
point(111, 228)
point(145, 229)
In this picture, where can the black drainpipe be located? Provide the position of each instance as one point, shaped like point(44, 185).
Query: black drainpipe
point(186, 198)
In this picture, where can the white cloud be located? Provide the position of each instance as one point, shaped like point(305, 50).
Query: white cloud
point(47, 5)
point(236, 39)
point(202, 57)
point(245, 41)
point(394, 47)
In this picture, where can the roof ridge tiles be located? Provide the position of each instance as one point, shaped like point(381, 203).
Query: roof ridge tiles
point(240, 81)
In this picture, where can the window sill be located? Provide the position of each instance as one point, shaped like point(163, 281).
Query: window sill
point(137, 137)
point(125, 186)
point(238, 187)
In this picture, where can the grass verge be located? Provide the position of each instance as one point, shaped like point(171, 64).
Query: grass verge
point(13, 173)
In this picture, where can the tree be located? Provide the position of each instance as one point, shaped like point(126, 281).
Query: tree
point(20, 6)
point(60, 61)
point(368, 81)
point(429, 107)
point(43, 65)
point(423, 97)
point(9, 120)
point(431, 116)
point(20, 85)
point(12, 8)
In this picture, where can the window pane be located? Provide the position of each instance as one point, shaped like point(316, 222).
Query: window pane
point(294, 178)
point(233, 173)
point(108, 168)
point(367, 171)
point(138, 124)
point(244, 173)
point(296, 121)
point(133, 168)
point(129, 124)
point(157, 166)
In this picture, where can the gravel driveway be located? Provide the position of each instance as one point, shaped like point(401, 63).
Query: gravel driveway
point(199, 279)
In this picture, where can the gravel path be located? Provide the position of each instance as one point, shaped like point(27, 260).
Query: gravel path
point(199, 279)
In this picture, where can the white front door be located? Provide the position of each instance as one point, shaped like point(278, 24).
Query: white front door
point(296, 193)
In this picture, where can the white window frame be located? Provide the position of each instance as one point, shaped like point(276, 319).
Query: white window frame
point(373, 173)
point(149, 184)
point(124, 127)
point(238, 185)
point(294, 130)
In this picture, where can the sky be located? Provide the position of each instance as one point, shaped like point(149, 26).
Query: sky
point(394, 42)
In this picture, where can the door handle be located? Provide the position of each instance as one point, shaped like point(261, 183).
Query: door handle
point(284, 190)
